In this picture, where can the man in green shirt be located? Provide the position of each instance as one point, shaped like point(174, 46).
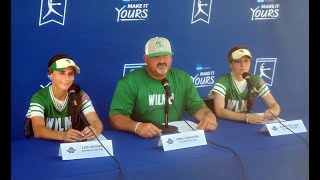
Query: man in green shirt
point(138, 102)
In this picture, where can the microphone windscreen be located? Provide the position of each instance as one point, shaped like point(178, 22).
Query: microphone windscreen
point(164, 81)
point(246, 75)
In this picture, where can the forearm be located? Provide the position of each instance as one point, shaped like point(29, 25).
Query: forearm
point(46, 133)
point(203, 113)
point(272, 104)
point(95, 122)
point(276, 109)
point(123, 123)
point(207, 120)
point(231, 115)
point(98, 126)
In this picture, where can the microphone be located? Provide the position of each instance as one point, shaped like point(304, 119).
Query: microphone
point(166, 86)
point(72, 94)
point(251, 89)
point(74, 110)
point(246, 76)
point(167, 128)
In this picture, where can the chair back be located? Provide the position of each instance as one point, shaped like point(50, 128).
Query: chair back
point(28, 128)
point(209, 103)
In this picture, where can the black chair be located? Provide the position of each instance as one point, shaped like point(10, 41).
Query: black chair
point(28, 128)
point(209, 103)
point(28, 131)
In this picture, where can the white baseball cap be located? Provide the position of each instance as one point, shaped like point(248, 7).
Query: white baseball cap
point(236, 55)
point(157, 46)
point(60, 64)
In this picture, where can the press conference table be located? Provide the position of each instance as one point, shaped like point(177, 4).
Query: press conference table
point(263, 157)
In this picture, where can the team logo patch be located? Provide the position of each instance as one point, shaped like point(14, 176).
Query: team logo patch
point(85, 96)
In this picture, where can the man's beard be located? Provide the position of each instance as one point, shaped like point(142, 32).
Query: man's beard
point(162, 70)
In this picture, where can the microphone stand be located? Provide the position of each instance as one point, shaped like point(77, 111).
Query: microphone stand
point(250, 100)
point(84, 120)
point(167, 128)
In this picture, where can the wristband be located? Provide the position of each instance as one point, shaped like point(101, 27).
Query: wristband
point(135, 129)
point(247, 117)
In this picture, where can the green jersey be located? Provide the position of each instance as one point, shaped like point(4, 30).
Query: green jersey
point(44, 104)
point(235, 98)
point(142, 98)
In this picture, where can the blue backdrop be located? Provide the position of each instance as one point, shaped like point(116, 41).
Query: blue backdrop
point(106, 38)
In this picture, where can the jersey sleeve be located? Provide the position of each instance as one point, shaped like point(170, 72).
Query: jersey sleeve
point(122, 100)
point(87, 105)
point(36, 107)
point(261, 86)
point(220, 86)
